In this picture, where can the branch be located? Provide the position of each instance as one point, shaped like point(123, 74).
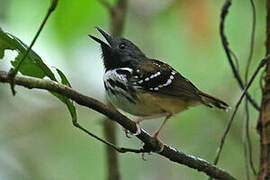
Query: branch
point(264, 118)
point(112, 146)
point(228, 51)
point(13, 72)
point(150, 143)
point(246, 137)
point(244, 93)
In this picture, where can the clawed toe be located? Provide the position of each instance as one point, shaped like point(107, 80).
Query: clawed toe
point(143, 156)
point(126, 132)
point(161, 144)
point(138, 132)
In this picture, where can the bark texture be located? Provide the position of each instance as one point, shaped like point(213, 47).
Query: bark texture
point(264, 119)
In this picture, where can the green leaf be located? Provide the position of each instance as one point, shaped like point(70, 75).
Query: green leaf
point(34, 66)
point(4, 44)
point(28, 68)
point(63, 77)
point(69, 104)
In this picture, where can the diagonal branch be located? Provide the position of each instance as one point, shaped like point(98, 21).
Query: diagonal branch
point(246, 137)
point(150, 143)
point(112, 146)
point(225, 43)
point(262, 63)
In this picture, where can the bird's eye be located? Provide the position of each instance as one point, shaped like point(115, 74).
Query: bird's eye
point(122, 46)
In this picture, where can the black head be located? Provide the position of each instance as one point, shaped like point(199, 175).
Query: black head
point(119, 52)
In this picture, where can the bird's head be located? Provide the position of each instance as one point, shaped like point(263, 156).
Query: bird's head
point(118, 52)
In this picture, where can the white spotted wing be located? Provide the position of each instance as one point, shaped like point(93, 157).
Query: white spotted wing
point(156, 76)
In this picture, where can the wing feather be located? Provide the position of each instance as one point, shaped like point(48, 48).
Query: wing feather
point(156, 76)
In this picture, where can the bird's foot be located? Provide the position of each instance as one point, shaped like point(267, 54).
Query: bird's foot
point(143, 155)
point(126, 133)
point(138, 131)
point(161, 144)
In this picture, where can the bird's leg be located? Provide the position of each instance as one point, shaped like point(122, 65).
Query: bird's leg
point(139, 120)
point(126, 133)
point(158, 131)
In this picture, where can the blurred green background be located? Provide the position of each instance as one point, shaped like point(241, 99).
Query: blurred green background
point(37, 139)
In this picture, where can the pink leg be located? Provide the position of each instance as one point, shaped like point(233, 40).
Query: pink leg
point(158, 131)
point(138, 120)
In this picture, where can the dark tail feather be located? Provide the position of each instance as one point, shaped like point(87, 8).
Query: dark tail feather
point(211, 101)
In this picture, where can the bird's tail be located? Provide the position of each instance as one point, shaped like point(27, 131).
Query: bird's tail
point(211, 101)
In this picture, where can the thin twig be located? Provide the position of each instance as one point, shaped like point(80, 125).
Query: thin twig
point(249, 145)
point(252, 39)
point(228, 51)
point(151, 143)
point(262, 63)
point(13, 72)
point(251, 50)
point(236, 59)
point(246, 160)
point(118, 149)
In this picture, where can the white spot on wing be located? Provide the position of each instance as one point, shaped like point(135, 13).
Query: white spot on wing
point(126, 68)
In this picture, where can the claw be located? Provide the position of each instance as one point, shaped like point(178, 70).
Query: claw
point(126, 132)
point(143, 156)
point(135, 134)
point(138, 130)
point(161, 144)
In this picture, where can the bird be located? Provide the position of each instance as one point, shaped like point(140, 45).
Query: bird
point(145, 87)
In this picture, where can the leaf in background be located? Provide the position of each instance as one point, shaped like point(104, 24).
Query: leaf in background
point(5, 43)
point(63, 77)
point(33, 66)
point(70, 105)
point(27, 67)
point(65, 100)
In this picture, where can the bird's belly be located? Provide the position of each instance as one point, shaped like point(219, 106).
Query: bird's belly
point(148, 104)
point(137, 107)
point(168, 104)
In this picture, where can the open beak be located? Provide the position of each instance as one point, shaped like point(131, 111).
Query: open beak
point(108, 38)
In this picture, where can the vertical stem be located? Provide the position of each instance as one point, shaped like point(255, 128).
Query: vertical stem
point(264, 120)
point(118, 15)
point(111, 154)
